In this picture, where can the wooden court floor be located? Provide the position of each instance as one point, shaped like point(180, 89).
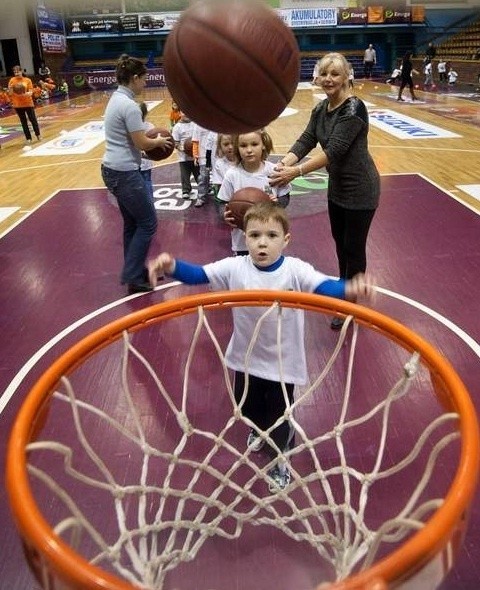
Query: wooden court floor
point(60, 244)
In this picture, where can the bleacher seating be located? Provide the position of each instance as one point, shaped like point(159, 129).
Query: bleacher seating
point(308, 62)
point(464, 44)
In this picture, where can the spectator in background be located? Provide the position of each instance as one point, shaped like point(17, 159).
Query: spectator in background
point(430, 53)
point(44, 71)
point(351, 77)
point(369, 60)
point(63, 87)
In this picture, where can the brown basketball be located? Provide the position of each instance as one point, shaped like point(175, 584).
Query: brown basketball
point(188, 147)
point(231, 66)
point(160, 153)
point(242, 200)
point(19, 88)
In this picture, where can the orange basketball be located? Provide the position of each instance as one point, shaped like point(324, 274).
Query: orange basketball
point(19, 88)
point(231, 66)
point(242, 200)
point(160, 153)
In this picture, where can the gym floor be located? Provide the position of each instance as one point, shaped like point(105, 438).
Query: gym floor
point(61, 253)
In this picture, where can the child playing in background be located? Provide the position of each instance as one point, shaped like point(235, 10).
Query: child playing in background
point(427, 70)
point(253, 169)
point(395, 75)
point(63, 87)
point(200, 145)
point(452, 77)
point(175, 114)
point(181, 132)
point(442, 70)
point(223, 160)
point(267, 234)
point(146, 164)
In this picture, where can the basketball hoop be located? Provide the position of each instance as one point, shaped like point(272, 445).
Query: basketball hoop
point(148, 418)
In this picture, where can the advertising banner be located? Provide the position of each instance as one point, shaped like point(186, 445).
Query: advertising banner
point(115, 24)
point(106, 79)
point(51, 31)
point(352, 16)
point(298, 18)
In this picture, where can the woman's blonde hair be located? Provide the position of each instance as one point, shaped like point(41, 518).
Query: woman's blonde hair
point(334, 58)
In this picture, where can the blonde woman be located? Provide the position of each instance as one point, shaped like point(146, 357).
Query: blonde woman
point(339, 125)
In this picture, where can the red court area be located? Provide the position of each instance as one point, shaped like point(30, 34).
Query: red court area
point(59, 278)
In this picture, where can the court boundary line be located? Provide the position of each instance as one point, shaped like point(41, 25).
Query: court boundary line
point(30, 364)
point(43, 350)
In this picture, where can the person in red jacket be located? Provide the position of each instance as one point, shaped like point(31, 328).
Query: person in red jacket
point(20, 89)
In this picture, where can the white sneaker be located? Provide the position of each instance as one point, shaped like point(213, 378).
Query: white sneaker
point(199, 203)
point(279, 478)
point(254, 442)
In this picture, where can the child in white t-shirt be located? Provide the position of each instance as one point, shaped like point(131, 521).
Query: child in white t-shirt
point(265, 267)
point(181, 132)
point(253, 170)
point(452, 76)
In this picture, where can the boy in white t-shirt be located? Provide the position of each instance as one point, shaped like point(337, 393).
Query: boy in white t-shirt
point(181, 132)
point(267, 234)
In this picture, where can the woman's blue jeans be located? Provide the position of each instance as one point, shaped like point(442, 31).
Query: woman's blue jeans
point(139, 220)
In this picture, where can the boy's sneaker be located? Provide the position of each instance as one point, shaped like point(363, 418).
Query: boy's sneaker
point(199, 203)
point(185, 195)
point(279, 478)
point(254, 442)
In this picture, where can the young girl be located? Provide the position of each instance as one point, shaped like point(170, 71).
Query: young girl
point(251, 151)
point(225, 159)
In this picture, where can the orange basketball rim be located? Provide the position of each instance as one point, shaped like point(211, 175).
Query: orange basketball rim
point(56, 565)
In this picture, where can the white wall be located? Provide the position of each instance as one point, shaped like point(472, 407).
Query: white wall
point(13, 25)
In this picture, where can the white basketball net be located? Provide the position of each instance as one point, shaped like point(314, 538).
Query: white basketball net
point(186, 513)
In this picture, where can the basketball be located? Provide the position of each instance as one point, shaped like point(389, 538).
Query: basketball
point(19, 88)
point(159, 153)
point(231, 66)
point(242, 200)
point(188, 147)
